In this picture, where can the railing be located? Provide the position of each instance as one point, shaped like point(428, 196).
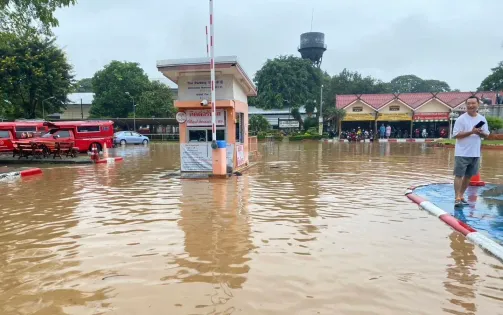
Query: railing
point(253, 147)
point(163, 137)
point(252, 144)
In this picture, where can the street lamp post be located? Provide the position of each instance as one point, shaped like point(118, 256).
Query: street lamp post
point(43, 107)
point(134, 111)
point(320, 131)
point(452, 116)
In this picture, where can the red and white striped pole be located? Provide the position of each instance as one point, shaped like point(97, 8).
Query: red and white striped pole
point(212, 71)
point(207, 45)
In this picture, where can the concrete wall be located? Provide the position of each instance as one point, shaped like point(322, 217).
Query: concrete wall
point(192, 88)
point(238, 92)
point(73, 111)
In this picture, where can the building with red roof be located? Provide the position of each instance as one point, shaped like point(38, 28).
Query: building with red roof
point(406, 111)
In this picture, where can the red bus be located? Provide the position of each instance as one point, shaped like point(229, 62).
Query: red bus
point(19, 130)
point(83, 133)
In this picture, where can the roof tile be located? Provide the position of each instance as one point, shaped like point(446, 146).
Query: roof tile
point(377, 100)
point(414, 100)
point(342, 101)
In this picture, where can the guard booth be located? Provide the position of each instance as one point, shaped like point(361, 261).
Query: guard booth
point(232, 88)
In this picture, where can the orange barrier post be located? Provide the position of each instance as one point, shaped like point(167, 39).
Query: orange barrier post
point(477, 181)
point(105, 150)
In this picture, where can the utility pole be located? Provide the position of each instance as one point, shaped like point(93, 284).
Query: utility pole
point(81, 110)
point(134, 111)
point(43, 107)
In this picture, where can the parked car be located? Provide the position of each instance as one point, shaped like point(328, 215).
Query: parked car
point(131, 137)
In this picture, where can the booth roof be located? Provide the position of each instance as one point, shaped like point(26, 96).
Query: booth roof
point(195, 61)
point(171, 68)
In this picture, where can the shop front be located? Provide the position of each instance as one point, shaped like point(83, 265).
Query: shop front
point(358, 116)
point(431, 119)
point(435, 124)
point(399, 123)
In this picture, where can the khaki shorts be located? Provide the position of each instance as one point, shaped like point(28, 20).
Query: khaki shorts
point(466, 166)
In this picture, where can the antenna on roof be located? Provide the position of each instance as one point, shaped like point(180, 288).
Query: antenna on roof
point(312, 18)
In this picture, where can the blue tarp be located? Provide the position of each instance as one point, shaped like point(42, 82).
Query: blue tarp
point(484, 212)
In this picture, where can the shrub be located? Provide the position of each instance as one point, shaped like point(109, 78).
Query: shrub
point(494, 123)
point(305, 137)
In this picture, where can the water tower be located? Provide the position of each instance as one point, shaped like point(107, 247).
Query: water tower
point(312, 47)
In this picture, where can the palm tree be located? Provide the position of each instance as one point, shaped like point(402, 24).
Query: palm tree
point(336, 115)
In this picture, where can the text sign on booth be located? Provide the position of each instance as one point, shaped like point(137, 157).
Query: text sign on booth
point(197, 157)
point(202, 118)
point(240, 154)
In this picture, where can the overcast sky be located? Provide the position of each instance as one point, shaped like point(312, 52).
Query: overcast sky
point(457, 41)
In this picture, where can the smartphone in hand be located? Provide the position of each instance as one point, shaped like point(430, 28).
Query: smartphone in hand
point(480, 124)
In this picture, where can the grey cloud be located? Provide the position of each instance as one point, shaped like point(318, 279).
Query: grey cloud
point(380, 38)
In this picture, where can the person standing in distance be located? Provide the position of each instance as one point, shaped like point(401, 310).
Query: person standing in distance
point(468, 143)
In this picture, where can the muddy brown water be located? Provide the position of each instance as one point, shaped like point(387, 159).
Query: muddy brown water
point(313, 228)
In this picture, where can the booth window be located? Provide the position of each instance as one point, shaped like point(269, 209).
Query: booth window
point(198, 135)
point(220, 134)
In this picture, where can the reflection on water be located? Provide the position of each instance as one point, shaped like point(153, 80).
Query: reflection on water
point(217, 236)
point(461, 281)
point(314, 228)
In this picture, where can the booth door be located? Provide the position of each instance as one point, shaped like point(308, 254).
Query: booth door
point(240, 140)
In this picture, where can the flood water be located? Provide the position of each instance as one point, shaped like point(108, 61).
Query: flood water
point(313, 228)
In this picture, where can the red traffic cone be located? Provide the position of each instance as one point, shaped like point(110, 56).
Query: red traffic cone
point(476, 181)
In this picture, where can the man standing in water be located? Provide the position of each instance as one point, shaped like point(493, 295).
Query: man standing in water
point(468, 143)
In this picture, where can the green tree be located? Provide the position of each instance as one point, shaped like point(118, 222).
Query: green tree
point(310, 122)
point(258, 123)
point(287, 81)
point(84, 85)
point(110, 86)
point(494, 123)
point(35, 76)
point(21, 16)
point(413, 84)
point(348, 82)
point(436, 86)
point(494, 81)
point(156, 101)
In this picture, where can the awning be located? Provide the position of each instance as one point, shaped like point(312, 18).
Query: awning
point(359, 117)
point(431, 117)
point(394, 117)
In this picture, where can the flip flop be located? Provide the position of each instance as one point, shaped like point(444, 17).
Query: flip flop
point(458, 203)
point(463, 201)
